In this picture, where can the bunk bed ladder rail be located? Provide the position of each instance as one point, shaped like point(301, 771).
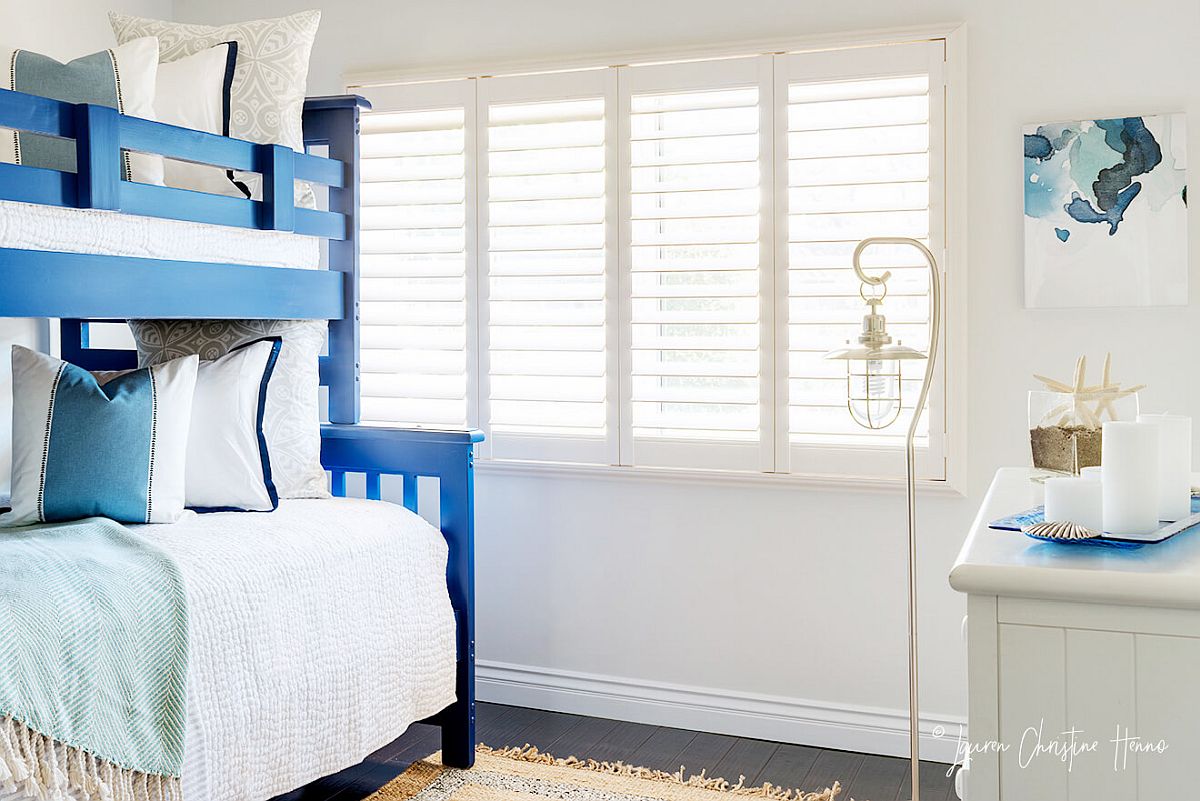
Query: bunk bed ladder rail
point(447, 456)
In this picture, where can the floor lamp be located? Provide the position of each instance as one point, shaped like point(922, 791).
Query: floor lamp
point(874, 398)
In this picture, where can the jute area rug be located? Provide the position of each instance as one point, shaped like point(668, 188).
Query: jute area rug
point(525, 774)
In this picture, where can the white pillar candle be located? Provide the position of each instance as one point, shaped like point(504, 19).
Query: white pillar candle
point(1174, 464)
point(1129, 480)
point(1074, 500)
point(1091, 473)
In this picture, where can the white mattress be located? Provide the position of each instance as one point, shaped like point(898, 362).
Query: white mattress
point(319, 632)
point(27, 226)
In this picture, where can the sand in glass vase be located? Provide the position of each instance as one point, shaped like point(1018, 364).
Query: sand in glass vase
point(1065, 421)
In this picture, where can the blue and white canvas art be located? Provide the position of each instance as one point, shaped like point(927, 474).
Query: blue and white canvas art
point(1106, 212)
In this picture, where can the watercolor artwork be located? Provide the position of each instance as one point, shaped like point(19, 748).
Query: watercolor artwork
point(1106, 213)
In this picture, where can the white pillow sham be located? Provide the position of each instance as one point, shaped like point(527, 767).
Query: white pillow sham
point(228, 462)
point(193, 92)
point(293, 421)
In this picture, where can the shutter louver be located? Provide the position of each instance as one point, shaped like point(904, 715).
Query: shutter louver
point(414, 267)
point(694, 236)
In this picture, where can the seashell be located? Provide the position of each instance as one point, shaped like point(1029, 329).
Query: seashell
point(1063, 531)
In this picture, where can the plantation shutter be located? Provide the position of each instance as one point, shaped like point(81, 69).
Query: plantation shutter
point(548, 200)
point(645, 265)
point(699, 264)
point(418, 255)
point(856, 160)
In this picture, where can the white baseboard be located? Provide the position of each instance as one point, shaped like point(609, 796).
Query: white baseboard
point(790, 720)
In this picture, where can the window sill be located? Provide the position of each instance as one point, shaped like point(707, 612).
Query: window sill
point(693, 476)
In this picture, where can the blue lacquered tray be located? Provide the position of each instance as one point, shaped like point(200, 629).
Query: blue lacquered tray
point(1167, 530)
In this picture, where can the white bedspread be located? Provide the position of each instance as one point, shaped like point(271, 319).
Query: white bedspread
point(25, 226)
point(319, 632)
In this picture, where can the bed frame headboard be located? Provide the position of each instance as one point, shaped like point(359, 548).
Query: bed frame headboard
point(331, 123)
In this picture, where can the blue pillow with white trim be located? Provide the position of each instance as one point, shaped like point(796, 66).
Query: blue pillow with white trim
point(82, 448)
point(123, 78)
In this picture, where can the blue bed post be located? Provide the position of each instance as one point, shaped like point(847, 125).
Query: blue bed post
point(333, 122)
point(458, 526)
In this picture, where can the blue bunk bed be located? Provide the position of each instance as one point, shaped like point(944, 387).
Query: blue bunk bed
point(78, 288)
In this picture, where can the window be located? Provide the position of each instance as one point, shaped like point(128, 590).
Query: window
point(644, 265)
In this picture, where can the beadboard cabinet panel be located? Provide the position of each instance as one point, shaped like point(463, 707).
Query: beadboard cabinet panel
point(1168, 708)
point(1032, 710)
point(1084, 714)
point(1099, 678)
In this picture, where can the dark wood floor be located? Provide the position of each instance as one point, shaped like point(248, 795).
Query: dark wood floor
point(864, 777)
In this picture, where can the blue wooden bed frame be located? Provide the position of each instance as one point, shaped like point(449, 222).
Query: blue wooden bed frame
point(78, 288)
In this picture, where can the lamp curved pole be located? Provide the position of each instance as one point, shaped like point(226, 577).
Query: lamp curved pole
point(876, 280)
point(935, 315)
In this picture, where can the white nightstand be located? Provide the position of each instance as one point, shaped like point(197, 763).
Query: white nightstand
point(1063, 637)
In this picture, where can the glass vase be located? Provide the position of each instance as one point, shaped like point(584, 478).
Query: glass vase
point(1065, 428)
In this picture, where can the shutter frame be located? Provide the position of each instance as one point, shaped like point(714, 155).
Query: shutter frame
point(707, 82)
point(870, 454)
point(428, 108)
point(505, 438)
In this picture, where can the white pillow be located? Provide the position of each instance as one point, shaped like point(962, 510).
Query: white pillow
point(193, 92)
point(228, 463)
point(86, 449)
point(269, 84)
point(123, 78)
point(293, 421)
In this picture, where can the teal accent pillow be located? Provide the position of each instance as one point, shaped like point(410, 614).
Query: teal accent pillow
point(123, 78)
point(86, 448)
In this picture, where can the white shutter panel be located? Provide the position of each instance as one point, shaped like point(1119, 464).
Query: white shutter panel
point(862, 145)
point(549, 318)
point(699, 264)
point(417, 254)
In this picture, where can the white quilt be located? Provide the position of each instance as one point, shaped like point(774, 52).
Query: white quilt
point(319, 632)
point(25, 226)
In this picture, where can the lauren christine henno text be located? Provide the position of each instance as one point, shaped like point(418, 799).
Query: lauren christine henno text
point(1036, 744)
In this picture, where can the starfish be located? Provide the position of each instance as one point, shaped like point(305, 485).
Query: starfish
point(1103, 395)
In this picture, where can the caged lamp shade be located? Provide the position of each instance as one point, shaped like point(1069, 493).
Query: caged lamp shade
point(874, 391)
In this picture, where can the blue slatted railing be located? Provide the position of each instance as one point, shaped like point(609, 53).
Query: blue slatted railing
point(100, 133)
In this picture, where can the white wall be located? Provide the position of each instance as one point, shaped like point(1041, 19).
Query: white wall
point(766, 590)
point(64, 29)
point(68, 29)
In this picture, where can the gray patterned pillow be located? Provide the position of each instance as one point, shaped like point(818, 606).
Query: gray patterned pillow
point(266, 101)
point(292, 423)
